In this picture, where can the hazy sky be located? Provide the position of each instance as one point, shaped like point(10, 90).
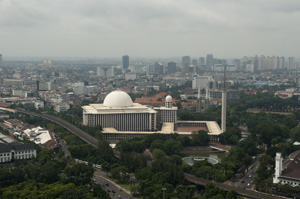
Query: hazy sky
point(152, 28)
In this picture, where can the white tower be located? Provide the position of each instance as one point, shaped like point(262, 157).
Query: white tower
point(278, 167)
point(168, 103)
point(223, 125)
point(198, 105)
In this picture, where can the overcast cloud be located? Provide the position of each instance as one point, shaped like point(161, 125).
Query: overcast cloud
point(112, 28)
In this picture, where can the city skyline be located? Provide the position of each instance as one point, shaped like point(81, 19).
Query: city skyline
point(149, 29)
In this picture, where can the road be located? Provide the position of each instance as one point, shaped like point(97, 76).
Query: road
point(247, 180)
point(111, 187)
point(64, 147)
point(226, 187)
point(70, 127)
point(98, 174)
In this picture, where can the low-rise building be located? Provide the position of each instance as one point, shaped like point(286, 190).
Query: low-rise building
point(16, 151)
point(288, 171)
point(61, 107)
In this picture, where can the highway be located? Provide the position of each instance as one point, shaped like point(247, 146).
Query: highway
point(70, 127)
point(226, 187)
point(115, 191)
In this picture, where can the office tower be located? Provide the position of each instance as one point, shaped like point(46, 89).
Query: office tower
point(105, 71)
point(291, 63)
point(1, 62)
point(209, 60)
point(201, 61)
point(194, 62)
point(47, 62)
point(171, 67)
point(255, 63)
point(280, 62)
point(186, 62)
point(158, 68)
point(237, 64)
point(273, 63)
point(125, 62)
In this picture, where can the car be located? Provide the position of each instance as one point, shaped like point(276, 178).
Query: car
point(250, 176)
point(113, 191)
point(120, 189)
point(108, 191)
point(243, 181)
point(107, 184)
point(248, 184)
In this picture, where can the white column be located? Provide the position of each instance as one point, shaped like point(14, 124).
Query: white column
point(278, 167)
point(223, 111)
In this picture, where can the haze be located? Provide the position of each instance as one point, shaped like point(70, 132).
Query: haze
point(156, 28)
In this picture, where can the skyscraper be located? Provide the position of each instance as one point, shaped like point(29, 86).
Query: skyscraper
point(209, 60)
point(201, 61)
point(171, 67)
point(158, 68)
point(291, 63)
point(125, 62)
point(194, 62)
point(186, 62)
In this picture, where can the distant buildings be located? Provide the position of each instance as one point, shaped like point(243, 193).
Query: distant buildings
point(171, 67)
point(202, 82)
point(201, 61)
point(47, 62)
point(291, 63)
point(105, 71)
point(186, 62)
point(125, 62)
point(209, 60)
point(61, 107)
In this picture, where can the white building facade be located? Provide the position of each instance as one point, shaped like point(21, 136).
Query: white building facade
point(288, 171)
point(16, 151)
point(119, 112)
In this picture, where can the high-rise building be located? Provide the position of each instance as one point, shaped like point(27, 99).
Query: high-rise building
point(125, 62)
point(194, 62)
point(237, 64)
point(291, 63)
point(280, 62)
point(171, 67)
point(201, 61)
point(1, 62)
point(186, 62)
point(47, 62)
point(209, 60)
point(105, 71)
point(158, 68)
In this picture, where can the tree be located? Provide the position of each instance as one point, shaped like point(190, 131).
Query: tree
point(120, 173)
point(247, 161)
point(200, 138)
point(159, 154)
point(295, 133)
point(79, 174)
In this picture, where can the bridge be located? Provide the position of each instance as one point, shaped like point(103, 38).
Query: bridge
point(244, 192)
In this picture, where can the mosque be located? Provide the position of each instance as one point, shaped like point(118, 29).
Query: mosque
point(120, 118)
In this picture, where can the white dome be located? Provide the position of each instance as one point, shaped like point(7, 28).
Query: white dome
point(117, 99)
point(169, 98)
